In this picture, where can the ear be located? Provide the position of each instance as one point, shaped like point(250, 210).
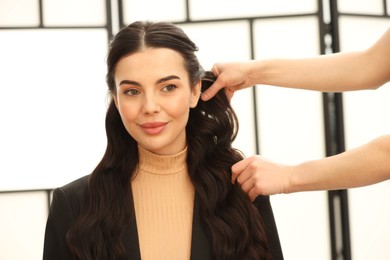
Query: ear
point(113, 96)
point(195, 94)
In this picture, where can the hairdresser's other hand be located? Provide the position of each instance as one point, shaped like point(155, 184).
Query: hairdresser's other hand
point(231, 75)
point(258, 176)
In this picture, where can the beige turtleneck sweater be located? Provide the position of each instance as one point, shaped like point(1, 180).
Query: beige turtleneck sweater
point(163, 201)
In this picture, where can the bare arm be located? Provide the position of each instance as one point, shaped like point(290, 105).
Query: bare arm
point(364, 165)
point(368, 69)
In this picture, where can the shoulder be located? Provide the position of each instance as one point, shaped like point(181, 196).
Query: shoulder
point(263, 205)
point(65, 207)
point(261, 201)
point(71, 195)
point(75, 186)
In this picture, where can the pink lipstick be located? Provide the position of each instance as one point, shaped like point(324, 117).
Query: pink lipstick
point(153, 128)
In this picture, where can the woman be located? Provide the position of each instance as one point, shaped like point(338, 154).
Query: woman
point(162, 189)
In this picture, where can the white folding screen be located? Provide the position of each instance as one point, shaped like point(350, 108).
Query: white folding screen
point(222, 9)
point(373, 7)
point(22, 225)
point(366, 116)
point(388, 6)
point(12, 15)
point(154, 10)
point(52, 110)
point(74, 12)
point(53, 106)
point(54, 102)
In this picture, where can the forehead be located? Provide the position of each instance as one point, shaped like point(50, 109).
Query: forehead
point(150, 61)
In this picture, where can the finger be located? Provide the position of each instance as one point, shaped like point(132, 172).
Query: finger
point(253, 193)
point(229, 94)
point(212, 90)
point(215, 69)
point(237, 168)
point(247, 185)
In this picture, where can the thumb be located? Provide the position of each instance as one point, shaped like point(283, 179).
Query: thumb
point(212, 90)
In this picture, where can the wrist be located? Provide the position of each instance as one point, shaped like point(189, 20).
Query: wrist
point(254, 72)
point(303, 178)
point(288, 182)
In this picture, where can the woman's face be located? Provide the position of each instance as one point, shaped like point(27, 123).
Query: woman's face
point(154, 97)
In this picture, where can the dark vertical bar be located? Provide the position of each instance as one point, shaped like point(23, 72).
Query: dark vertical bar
point(322, 27)
point(187, 5)
point(335, 144)
point(40, 7)
point(337, 199)
point(252, 49)
point(385, 8)
point(109, 20)
point(121, 21)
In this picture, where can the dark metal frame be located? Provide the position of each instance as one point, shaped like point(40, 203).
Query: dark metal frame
point(332, 105)
point(335, 144)
point(42, 25)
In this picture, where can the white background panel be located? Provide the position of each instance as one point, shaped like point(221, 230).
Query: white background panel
point(74, 12)
point(167, 10)
point(216, 43)
point(291, 131)
point(214, 9)
point(53, 106)
point(54, 103)
point(388, 6)
point(367, 117)
point(18, 13)
point(361, 6)
point(22, 220)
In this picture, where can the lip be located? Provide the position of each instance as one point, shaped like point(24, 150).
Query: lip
point(153, 128)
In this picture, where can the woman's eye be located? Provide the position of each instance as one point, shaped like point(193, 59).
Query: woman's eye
point(169, 88)
point(132, 92)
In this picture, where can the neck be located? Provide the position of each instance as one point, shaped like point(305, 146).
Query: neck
point(162, 164)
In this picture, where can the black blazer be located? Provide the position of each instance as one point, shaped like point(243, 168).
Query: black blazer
point(68, 201)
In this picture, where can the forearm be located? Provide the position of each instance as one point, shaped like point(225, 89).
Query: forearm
point(361, 166)
point(328, 73)
point(366, 69)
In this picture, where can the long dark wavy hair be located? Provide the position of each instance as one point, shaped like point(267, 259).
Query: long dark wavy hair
point(233, 224)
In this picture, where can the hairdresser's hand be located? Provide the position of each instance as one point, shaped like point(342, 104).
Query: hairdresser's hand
point(258, 176)
point(231, 76)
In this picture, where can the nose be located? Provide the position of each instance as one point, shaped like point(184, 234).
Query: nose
point(151, 104)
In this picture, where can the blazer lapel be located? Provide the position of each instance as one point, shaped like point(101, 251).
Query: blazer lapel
point(131, 238)
point(200, 243)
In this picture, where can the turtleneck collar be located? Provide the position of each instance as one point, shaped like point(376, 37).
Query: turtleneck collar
point(162, 164)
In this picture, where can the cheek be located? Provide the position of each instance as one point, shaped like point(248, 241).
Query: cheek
point(178, 108)
point(128, 111)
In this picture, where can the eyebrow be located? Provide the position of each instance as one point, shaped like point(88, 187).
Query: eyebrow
point(132, 82)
